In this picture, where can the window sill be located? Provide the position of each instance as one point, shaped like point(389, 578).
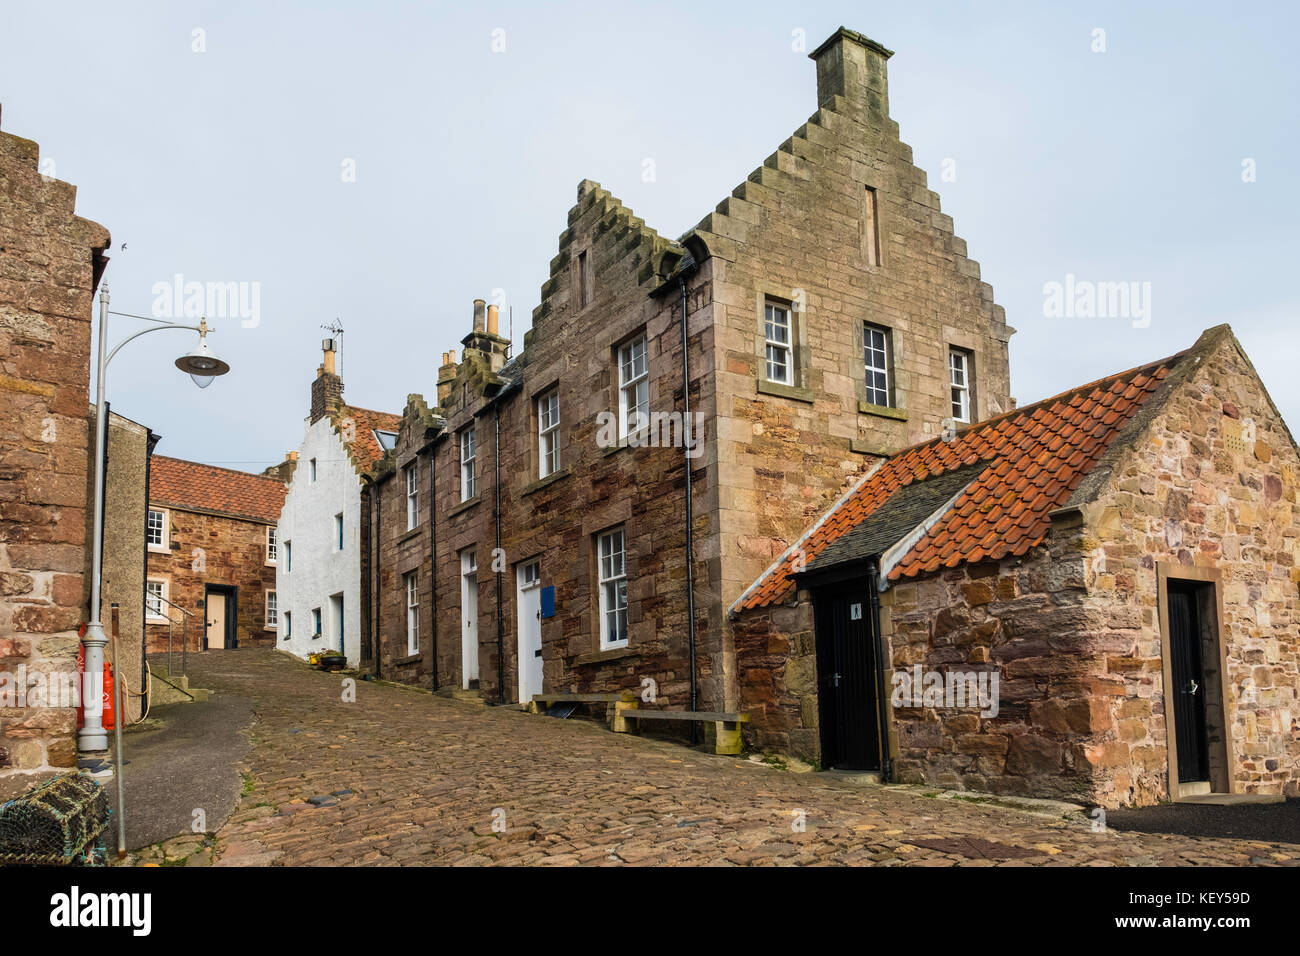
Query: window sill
point(411, 659)
point(158, 549)
point(464, 506)
point(609, 654)
point(793, 392)
point(861, 446)
point(541, 483)
point(158, 620)
point(883, 411)
point(408, 535)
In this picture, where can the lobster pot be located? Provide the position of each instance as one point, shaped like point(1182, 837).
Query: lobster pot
point(60, 823)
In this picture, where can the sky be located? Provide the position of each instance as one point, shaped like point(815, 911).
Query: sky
point(383, 164)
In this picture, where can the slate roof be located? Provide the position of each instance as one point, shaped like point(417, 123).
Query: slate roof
point(904, 511)
point(1030, 462)
point(184, 485)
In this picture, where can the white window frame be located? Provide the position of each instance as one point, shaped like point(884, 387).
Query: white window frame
point(959, 379)
point(317, 623)
point(272, 602)
point(160, 617)
point(272, 544)
point(548, 433)
point(287, 632)
point(468, 459)
point(387, 441)
point(611, 574)
point(883, 354)
point(412, 580)
point(165, 544)
point(776, 346)
point(313, 469)
point(338, 531)
point(633, 387)
point(412, 496)
point(288, 555)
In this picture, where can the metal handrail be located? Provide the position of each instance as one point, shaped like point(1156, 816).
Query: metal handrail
point(171, 624)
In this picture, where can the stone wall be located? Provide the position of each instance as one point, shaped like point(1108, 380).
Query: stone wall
point(210, 548)
point(1211, 486)
point(50, 262)
point(800, 229)
point(126, 492)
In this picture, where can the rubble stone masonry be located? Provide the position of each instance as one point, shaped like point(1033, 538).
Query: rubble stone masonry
point(50, 262)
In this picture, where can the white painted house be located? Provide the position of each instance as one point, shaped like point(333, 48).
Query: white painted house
point(318, 574)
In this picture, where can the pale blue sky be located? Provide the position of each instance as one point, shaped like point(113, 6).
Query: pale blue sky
point(226, 166)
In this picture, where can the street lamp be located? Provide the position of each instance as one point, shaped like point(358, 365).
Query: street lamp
point(202, 366)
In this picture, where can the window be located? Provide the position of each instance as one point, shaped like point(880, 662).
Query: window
point(876, 359)
point(288, 556)
point(870, 228)
point(613, 590)
point(315, 622)
point(548, 433)
point(272, 549)
point(155, 596)
point(156, 530)
point(313, 469)
point(288, 626)
point(412, 499)
point(272, 609)
point(633, 388)
point(584, 281)
point(413, 613)
point(467, 453)
point(387, 440)
point(338, 532)
point(776, 325)
point(959, 369)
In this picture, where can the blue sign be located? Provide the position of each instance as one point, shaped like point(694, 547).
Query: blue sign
point(548, 601)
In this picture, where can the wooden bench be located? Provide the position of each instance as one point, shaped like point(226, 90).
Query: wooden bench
point(726, 726)
point(559, 698)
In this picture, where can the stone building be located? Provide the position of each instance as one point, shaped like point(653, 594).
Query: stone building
point(318, 578)
point(210, 534)
point(582, 516)
point(126, 495)
point(51, 261)
point(1095, 596)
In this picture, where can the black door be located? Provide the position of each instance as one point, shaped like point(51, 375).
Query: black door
point(847, 676)
point(1188, 691)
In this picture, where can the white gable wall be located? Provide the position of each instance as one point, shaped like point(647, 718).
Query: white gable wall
point(319, 569)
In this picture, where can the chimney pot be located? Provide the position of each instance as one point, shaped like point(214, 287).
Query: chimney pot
point(479, 305)
point(492, 319)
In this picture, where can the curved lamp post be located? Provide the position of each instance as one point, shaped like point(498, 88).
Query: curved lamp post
point(202, 366)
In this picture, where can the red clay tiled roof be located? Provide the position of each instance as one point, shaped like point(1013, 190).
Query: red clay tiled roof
point(189, 484)
point(1036, 456)
point(365, 448)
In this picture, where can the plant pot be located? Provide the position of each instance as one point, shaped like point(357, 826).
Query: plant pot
point(333, 662)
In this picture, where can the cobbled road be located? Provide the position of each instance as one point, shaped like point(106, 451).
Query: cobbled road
point(403, 777)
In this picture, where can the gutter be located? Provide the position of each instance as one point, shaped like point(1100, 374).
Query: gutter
point(151, 442)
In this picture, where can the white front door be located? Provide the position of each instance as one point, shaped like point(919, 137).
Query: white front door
point(530, 630)
point(469, 616)
point(216, 621)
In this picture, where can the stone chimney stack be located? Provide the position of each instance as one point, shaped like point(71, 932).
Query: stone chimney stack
point(327, 390)
point(853, 66)
point(486, 339)
point(446, 377)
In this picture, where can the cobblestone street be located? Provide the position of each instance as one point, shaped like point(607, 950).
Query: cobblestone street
point(403, 777)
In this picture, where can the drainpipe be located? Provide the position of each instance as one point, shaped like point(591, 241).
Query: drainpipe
point(882, 672)
point(496, 465)
point(152, 443)
point(690, 511)
point(433, 561)
point(377, 507)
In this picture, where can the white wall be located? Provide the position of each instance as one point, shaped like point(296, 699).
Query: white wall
point(319, 570)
